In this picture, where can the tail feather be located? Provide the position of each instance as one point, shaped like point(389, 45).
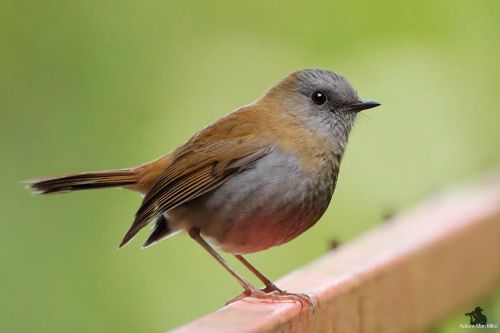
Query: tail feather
point(83, 181)
point(160, 231)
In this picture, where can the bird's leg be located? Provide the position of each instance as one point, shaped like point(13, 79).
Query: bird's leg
point(270, 286)
point(249, 290)
point(195, 234)
point(272, 289)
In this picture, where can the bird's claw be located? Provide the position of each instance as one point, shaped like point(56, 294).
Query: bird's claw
point(275, 295)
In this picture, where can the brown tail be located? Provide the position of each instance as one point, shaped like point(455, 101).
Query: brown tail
point(84, 181)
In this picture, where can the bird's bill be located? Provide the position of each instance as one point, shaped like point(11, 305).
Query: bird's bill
point(363, 105)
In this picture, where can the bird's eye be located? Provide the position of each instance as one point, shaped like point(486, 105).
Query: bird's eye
point(319, 97)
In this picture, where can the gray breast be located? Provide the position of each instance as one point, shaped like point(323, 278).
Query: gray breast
point(266, 205)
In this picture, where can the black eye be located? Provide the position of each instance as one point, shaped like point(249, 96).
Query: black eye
point(319, 97)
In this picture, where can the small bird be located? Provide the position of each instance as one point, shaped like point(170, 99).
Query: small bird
point(256, 178)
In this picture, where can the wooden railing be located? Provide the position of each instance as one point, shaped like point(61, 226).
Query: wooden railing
point(403, 276)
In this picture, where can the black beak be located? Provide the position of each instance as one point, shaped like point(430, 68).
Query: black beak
point(363, 105)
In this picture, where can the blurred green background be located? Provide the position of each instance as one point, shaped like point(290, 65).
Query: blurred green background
point(90, 85)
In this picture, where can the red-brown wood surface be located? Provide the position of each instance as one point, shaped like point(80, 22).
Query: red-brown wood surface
point(402, 276)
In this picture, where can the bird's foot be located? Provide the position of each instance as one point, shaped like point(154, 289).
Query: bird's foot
point(274, 294)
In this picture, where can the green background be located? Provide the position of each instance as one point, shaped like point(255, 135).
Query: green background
point(89, 85)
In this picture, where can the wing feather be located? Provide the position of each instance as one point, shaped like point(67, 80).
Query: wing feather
point(193, 173)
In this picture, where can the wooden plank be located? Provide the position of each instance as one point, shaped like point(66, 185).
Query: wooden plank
point(402, 276)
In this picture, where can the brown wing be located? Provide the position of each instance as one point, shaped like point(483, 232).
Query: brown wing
point(197, 169)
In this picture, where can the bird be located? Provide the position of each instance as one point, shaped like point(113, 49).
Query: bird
point(254, 179)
